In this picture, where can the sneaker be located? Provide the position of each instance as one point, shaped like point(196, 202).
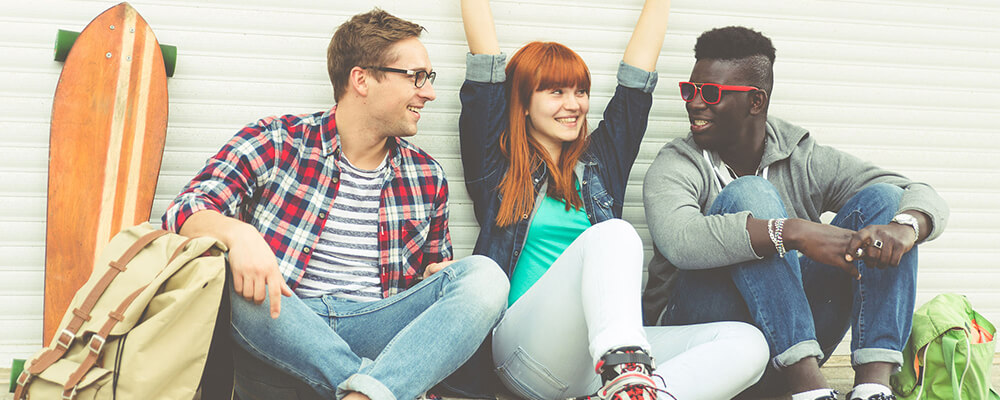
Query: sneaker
point(877, 396)
point(832, 396)
point(429, 396)
point(627, 375)
point(628, 386)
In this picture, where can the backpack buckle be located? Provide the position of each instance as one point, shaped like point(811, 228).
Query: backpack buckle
point(96, 349)
point(66, 336)
point(24, 378)
point(69, 394)
point(20, 391)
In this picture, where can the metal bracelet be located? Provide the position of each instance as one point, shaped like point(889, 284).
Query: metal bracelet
point(779, 243)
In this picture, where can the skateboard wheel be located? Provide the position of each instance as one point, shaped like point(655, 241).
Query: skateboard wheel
point(65, 40)
point(169, 58)
point(15, 371)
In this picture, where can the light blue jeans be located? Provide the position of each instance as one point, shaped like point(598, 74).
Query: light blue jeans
point(387, 349)
point(804, 308)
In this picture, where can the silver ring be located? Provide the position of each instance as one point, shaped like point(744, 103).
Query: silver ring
point(860, 252)
point(877, 244)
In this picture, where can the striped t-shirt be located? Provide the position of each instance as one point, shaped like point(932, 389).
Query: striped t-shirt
point(345, 262)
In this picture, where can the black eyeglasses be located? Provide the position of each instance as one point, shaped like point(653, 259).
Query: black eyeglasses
point(420, 77)
point(711, 93)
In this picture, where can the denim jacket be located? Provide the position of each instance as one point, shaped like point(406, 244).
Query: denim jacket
point(602, 171)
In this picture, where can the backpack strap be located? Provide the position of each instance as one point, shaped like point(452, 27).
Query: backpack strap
point(82, 314)
point(96, 342)
point(949, 345)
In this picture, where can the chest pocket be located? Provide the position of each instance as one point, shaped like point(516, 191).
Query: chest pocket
point(603, 205)
point(414, 233)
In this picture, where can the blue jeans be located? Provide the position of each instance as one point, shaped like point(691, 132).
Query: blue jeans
point(804, 308)
point(396, 347)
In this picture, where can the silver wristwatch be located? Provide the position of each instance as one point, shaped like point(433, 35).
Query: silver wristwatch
point(907, 219)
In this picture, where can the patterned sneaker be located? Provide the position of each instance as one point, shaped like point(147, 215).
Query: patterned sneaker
point(877, 396)
point(429, 396)
point(832, 396)
point(626, 373)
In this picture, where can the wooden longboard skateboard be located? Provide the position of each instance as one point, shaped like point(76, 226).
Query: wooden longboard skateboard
point(109, 120)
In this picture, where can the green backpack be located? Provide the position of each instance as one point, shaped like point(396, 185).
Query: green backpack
point(949, 353)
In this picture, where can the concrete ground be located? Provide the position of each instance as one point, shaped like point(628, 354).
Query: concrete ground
point(838, 371)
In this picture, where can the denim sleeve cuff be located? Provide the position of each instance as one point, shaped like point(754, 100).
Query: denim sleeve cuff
point(485, 68)
point(636, 78)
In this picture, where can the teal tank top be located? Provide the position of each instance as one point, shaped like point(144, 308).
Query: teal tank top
point(552, 230)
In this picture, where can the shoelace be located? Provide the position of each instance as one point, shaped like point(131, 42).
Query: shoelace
point(832, 396)
point(663, 383)
point(634, 391)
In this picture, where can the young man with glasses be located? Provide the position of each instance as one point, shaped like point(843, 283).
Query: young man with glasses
point(349, 221)
point(734, 211)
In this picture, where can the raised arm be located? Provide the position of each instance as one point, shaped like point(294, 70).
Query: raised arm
point(644, 47)
point(479, 29)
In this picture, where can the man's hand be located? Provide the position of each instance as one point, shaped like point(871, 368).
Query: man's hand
point(254, 266)
point(435, 267)
point(255, 270)
point(882, 245)
point(824, 243)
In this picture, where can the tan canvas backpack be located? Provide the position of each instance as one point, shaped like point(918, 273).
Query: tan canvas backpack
point(140, 328)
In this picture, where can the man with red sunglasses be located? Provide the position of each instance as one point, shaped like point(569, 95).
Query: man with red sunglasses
point(734, 210)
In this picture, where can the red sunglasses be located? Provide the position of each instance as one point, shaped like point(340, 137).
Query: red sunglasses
point(711, 93)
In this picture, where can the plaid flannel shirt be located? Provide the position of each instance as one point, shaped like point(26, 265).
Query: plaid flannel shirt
point(280, 175)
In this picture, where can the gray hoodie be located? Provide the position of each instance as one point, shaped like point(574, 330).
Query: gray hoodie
point(811, 179)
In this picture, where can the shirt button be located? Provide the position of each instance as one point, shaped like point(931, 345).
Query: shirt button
point(334, 179)
point(306, 249)
point(322, 215)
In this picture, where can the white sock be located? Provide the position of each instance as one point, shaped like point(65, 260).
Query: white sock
point(866, 390)
point(813, 394)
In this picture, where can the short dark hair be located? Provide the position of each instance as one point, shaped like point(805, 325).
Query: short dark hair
point(744, 46)
point(364, 40)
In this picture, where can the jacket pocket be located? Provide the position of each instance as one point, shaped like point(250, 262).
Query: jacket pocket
point(603, 205)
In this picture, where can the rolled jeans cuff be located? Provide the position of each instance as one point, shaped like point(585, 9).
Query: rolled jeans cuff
point(865, 356)
point(798, 351)
point(365, 385)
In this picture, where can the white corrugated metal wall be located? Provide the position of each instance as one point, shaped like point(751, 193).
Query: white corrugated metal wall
point(913, 85)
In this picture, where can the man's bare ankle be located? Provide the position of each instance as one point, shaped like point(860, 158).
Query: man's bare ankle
point(875, 372)
point(804, 376)
point(356, 396)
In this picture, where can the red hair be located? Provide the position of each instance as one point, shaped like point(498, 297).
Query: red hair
point(539, 66)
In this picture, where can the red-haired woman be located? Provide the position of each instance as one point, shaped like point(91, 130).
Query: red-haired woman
point(548, 198)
